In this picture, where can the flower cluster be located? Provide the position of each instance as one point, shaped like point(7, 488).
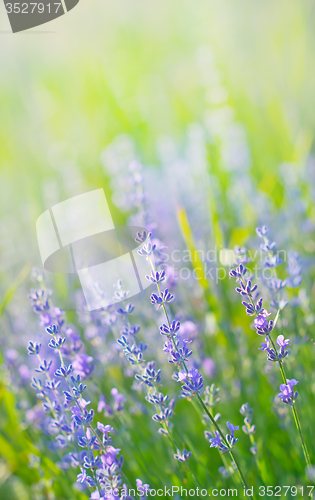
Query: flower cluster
point(41, 304)
point(253, 307)
point(262, 325)
point(272, 354)
point(287, 394)
point(218, 442)
point(71, 422)
point(118, 405)
point(193, 382)
point(179, 354)
point(176, 346)
point(147, 374)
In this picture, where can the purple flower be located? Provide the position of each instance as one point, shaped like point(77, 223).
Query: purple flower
point(182, 456)
point(273, 261)
point(147, 249)
point(33, 348)
point(261, 323)
point(45, 319)
point(283, 344)
point(83, 365)
point(141, 237)
point(78, 425)
point(110, 457)
point(193, 383)
point(182, 375)
point(239, 272)
point(217, 442)
point(182, 354)
point(231, 439)
point(81, 477)
point(261, 231)
point(130, 330)
point(157, 276)
point(119, 399)
point(271, 353)
point(168, 346)
point(252, 309)
point(170, 330)
point(294, 269)
point(232, 428)
point(264, 346)
point(128, 310)
point(102, 406)
point(287, 395)
point(246, 289)
point(276, 284)
point(40, 300)
point(194, 375)
point(104, 428)
point(142, 488)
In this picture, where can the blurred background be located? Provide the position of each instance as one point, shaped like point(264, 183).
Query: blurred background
point(214, 98)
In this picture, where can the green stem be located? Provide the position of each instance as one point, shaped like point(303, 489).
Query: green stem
point(298, 425)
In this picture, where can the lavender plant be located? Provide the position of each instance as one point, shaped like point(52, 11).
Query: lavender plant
point(147, 374)
point(265, 327)
point(69, 420)
point(179, 353)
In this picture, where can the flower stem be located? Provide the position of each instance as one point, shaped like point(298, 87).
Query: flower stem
point(298, 425)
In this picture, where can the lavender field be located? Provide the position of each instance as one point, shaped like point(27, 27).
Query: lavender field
point(195, 123)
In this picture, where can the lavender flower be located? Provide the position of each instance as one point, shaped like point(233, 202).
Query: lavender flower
point(287, 394)
point(262, 325)
point(193, 382)
point(217, 442)
point(283, 344)
point(231, 439)
point(182, 456)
